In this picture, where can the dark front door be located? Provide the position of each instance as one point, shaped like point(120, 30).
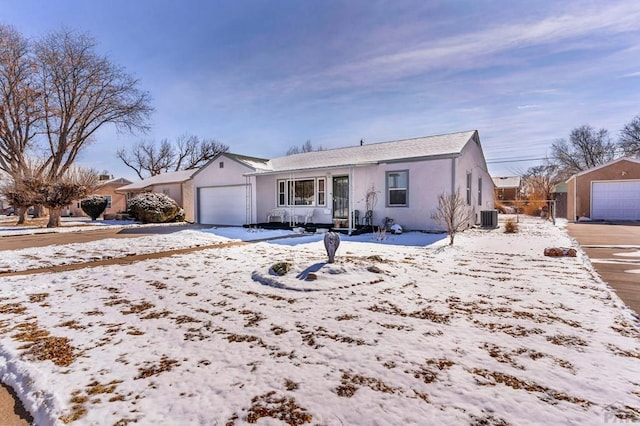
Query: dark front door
point(341, 197)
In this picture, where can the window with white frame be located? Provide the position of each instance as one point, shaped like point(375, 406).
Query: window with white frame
point(479, 191)
point(321, 192)
point(302, 192)
point(398, 188)
point(468, 189)
point(108, 197)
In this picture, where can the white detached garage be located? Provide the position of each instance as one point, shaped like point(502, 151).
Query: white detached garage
point(224, 195)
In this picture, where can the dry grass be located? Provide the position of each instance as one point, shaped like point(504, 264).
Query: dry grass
point(165, 364)
point(515, 383)
point(511, 226)
point(349, 385)
point(281, 408)
point(43, 347)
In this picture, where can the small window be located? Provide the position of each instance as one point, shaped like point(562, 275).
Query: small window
point(282, 194)
point(479, 191)
point(222, 164)
point(108, 197)
point(321, 192)
point(166, 192)
point(468, 189)
point(397, 188)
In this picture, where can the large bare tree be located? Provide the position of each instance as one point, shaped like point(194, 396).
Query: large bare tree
point(630, 138)
point(82, 92)
point(585, 149)
point(20, 109)
point(187, 152)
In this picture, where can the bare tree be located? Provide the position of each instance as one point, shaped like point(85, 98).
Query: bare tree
point(75, 184)
point(539, 181)
point(306, 147)
point(20, 109)
point(453, 213)
point(188, 152)
point(81, 92)
point(630, 138)
point(585, 149)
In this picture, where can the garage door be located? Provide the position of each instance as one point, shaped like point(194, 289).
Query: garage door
point(618, 200)
point(222, 205)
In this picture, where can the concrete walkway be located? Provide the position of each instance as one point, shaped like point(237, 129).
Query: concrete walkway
point(614, 251)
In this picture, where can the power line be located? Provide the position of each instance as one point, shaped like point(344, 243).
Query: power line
point(514, 160)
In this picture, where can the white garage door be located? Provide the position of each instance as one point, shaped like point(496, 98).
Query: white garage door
point(618, 200)
point(222, 205)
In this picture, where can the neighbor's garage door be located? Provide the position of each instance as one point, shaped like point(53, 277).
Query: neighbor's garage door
point(222, 205)
point(618, 200)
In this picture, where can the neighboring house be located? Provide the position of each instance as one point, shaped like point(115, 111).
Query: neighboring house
point(607, 192)
point(116, 202)
point(403, 179)
point(507, 188)
point(177, 185)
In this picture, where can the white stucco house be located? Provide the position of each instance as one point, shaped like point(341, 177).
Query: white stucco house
point(400, 180)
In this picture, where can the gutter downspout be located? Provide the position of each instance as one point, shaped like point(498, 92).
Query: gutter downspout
point(351, 200)
point(453, 175)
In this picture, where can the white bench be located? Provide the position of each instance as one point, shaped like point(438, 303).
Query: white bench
point(279, 214)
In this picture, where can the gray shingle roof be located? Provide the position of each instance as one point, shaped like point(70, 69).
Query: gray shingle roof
point(401, 150)
point(506, 181)
point(163, 178)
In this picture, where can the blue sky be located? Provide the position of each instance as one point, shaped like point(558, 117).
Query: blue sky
point(264, 75)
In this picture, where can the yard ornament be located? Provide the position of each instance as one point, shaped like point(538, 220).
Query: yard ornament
point(331, 243)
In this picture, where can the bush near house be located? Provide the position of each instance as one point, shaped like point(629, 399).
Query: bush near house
point(154, 207)
point(93, 206)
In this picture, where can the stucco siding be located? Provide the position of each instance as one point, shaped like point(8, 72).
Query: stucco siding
point(471, 161)
point(188, 201)
point(224, 171)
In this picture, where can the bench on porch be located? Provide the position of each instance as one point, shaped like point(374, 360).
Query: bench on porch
point(280, 214)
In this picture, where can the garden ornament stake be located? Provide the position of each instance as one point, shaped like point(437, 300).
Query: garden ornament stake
point(331, 243)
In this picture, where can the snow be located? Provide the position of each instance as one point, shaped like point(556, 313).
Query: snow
point(405, 330)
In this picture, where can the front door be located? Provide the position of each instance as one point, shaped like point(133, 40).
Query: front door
point(341, 197)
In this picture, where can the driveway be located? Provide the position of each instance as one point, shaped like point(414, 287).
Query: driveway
point(614, 251)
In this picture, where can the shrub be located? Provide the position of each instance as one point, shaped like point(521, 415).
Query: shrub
point(153, 207)
point(281, 268)
point(93, 206)
point(510, 226)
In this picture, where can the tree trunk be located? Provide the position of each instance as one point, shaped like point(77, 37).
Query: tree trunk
point(22, 215)
point(54, 218)
point(38, 211)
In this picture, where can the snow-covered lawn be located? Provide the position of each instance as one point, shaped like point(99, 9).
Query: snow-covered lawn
point(488, 331)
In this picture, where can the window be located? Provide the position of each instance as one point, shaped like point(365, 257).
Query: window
point(469, 189)
point(166, 192)
point(302, 192)
point(282, 193)
point(108, 197)
point(480, 191)
point(321, 192)
point(222, 164)
point(397, 188)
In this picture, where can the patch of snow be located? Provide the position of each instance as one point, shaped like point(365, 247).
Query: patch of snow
point(394, 332)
